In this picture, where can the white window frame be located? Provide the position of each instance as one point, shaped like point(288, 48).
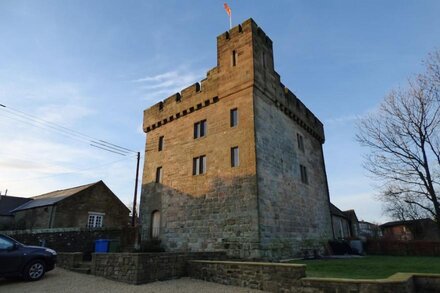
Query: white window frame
point(95, 220)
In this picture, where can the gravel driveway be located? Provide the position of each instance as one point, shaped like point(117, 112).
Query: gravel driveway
point(64, 281)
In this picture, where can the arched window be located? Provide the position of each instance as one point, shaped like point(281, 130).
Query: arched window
point(155, 224)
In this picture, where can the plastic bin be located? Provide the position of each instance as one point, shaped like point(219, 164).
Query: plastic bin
point(102, 245)
point(114, 246)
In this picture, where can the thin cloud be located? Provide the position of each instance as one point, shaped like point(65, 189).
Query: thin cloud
point(342, 119)
point(162, 85)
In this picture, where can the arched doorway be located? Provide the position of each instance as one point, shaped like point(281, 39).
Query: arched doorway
point(155, 224)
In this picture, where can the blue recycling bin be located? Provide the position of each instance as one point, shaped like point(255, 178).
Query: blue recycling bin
point(102, 245)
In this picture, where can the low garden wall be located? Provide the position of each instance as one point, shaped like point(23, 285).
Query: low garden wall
point(403, 248)
point(272, 277)
point(69, 260)
point(140, 268)
point(278, 277)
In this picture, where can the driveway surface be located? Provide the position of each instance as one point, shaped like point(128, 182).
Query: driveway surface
point(64, 281)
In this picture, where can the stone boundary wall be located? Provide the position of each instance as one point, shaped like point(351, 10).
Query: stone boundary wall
point(69, 260)
point(272, 277)
point(140, 268)
point(74, 239)
point(280, 277)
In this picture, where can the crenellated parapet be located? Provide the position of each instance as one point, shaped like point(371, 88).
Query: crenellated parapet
point(178, 105)
point(296, 110)
point(252, 50)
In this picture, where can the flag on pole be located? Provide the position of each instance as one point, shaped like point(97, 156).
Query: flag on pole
point(228, 9)
point(229, 12)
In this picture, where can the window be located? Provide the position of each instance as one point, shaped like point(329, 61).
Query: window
point(159, 175)
point(234, 117)
point(199, 165)
point(5, 243)
point(160, 143)
point(300, 140)
point(304, 178)
point(263, 59)
point(155, 224)
point(95, 220)
point(234, 58)
point(200, 129)
point(235, 161)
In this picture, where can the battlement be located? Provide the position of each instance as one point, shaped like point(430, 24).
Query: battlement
point(248, 26)
point(296, 110)
point(249, 41)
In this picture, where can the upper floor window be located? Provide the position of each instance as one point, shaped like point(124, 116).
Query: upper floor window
point(234, 58)
point(304, 177)
point(200, 129)
point(199, 165)
point(235, 160)
point(159, 175)
point(300, 140)
point(234, 117)
point(160, 143)
point(263, 59)
point(95, 220)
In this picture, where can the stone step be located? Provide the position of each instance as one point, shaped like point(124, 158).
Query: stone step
point(82, 270)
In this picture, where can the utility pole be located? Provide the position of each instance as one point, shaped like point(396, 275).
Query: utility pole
point(134, 214)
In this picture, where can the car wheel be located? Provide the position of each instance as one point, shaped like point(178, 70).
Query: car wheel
point(34, 270)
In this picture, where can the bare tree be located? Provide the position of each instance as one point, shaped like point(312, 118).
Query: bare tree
point(403, 136)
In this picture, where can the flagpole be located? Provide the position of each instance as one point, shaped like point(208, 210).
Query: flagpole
point(230, 21)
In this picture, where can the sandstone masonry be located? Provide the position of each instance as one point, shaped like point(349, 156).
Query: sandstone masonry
point(274, 203)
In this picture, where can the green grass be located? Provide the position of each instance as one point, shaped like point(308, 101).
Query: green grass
point(370, 267)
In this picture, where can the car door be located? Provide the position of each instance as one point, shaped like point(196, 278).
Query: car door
point(10, 256)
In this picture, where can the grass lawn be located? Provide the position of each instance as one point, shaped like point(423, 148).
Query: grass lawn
point(370, 267)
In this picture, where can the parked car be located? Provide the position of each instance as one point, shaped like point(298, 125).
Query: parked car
point(28, 262)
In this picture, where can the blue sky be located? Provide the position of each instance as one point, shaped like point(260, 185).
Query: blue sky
point(94, 66)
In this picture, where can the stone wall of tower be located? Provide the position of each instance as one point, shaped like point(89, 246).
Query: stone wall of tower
point(217, 210)
point(293, 215)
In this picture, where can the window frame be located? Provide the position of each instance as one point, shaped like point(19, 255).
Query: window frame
point(304, 176)
point(300, 141)
point(161, 143)
point(155, 229)
point(95, 220)
point(199, 165)
point(159, 174)
point(200, 129)
point(233, 123)
point(235, 157)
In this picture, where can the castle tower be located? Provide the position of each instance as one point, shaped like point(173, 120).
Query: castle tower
point(235, 163)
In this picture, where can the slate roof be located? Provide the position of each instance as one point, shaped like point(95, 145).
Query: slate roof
point(52, 198)
point(351, 214)
point(8, 203)
point(337, 212)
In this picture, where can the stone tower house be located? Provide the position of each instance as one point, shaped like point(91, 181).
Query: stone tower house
point(235, 162)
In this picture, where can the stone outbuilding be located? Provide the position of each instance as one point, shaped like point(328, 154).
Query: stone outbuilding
point(93, 206)
point(7, 204)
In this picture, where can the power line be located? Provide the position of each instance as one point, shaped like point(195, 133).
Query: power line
point(67, 173)
point(60, 129)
